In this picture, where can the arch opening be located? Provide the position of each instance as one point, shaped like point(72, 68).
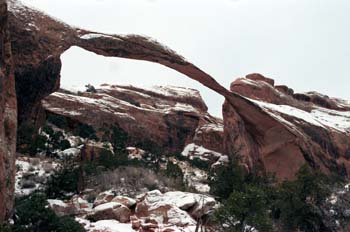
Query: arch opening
point(81, 67)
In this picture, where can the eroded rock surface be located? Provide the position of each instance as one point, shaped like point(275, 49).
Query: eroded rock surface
point(279, 130)
point(168, 117)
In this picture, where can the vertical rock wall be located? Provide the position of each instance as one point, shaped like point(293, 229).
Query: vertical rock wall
point(8, 118)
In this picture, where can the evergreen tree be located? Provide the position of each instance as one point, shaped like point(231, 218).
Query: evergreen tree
point(299, 202)
point(245, 210)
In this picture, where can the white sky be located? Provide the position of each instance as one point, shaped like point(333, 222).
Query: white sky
point(301, 43)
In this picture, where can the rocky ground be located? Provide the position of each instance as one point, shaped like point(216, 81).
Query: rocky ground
point(123, 199)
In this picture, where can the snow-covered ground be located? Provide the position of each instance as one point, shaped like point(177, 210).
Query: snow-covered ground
point(115, 226)
point(32, 174)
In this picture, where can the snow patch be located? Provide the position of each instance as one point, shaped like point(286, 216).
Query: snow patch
point(97, 36)
point(318, 116)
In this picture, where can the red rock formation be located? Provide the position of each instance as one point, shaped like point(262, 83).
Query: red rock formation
point(280, 131)
point(169, 117)
point(273, 138)
point(8, 118)
point(39, 40)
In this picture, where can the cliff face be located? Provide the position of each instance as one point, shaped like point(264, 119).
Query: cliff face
point(8, 118)
point(168, 117)
point(281, 130)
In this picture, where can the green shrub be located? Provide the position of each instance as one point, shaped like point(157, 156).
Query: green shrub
point(63, 183)
point(58, 120)
point(246, 197)
point(48, 130)
point(33, 214)
point(199, 163)
point(173, 170)
point(227, 178)
point(119, 140)
point(25, 133)
point(85, 131)
point(28, 140)
point(298, 203)
point(109, 160)
point(180, 157)
point(247, 207)
point(150, 146)
point(90, 168)
point(38, 144)
point(64, 144)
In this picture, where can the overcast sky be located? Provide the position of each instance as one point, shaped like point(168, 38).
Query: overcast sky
point(301, 43)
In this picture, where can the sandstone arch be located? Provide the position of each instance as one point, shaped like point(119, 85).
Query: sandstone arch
point(38, 40)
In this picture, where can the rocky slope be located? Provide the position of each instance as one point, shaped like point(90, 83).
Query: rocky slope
point(151, 211)
point(168, 117)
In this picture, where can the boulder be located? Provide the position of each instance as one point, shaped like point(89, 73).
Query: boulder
point(193, 151)
point(104, 197)
point(61, 208)
point(127, 201)
point(174, 208)
point(111, 210)
point(82, 206)
point(197, 205)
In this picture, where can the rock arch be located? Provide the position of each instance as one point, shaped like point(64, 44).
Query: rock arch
point(38, 41)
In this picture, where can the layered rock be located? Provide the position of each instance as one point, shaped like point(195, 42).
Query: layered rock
point(279, 130)
point(169, 117)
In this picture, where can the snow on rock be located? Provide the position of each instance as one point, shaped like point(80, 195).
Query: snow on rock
point(61, 208)
point(101, 104)
point(96, 36)
point(174, 208)
point(318, 116)
point(105, 197)
point(155, 211)
point(53, 202)
point(69, 153)
point(193, 151)
point(194, 177)
point(31, 174)
point(175, 91)
point(155, 114)
point(135, 153)
point(200, 204)
point(111, 210)
point(105, 226)
point(213, 127)
point(154, 206)
point(124, 200)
